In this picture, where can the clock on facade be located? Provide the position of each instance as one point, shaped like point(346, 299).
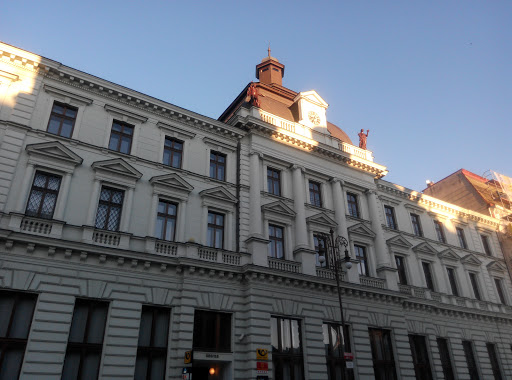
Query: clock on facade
point(314, 118)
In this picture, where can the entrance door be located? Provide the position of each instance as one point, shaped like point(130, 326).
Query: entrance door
point(200, 373)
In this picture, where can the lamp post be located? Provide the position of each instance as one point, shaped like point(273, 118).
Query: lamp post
point(333, 251)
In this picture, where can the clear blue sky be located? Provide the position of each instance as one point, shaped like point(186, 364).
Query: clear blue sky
point(432, 80)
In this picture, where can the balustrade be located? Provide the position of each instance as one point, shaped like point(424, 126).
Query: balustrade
point(284, 265)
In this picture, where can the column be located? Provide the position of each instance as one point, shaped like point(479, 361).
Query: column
point(152, 216)
point(127, 210)
point(339, 206)
point(301, 232)
point(25, 187)
point(93, 205)
point(255, 195)
point(64, 193)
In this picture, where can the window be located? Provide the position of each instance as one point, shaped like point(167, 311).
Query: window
point(495, 365)
point(363, 260)
point(273, 181)
point(416, 225)
point(109, 209)
point(217, 165)
point(43, 195)
point(462, 238)
point(315, 196)
point(152, 346)
point(474, 284)
point(446, 362)
point(85, 343)
point(166, 220)
point(121, 137)
point(439, 231)
point(333, 351)
point(16, 311)
point(470, 360)
point(212, 331)
point(173, 152)
point(420, 357)
point(286, 349)
point(499, 289)
point(390, 217)
point(428, 275)
point(62, 119)
point(400, 266)
point(276, 237)
point(215, 237)
point(382, 354)
point(321, 248)
point(353, 208)
point(485, 243)
point(453, 281)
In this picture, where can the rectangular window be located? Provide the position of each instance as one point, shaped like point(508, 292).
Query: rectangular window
point(121, 137)
point(62, 119)
point(273, 181)
point(16, 311)
point(495, 365)
point(212, 331)
point(474, 284)
point(173, 152)
point(485, 243)
point(439, 231)
point(321, 248)
point(400, 266)
point(287, 358)
point(462, 238)
point(276, 237)
point(334, 352)
point(110, 205)
point(420, 357)
point(453, 281)
point(85, 343)
point(446, 362)
point(166, 220)
point(416, 225)
point(43, 195)
point(215, 230)
point(363, 260)
point(382, 354)
point(499, 289)
point(315, 196)
point(428, 275)
point(217, 165)
point(390, 217)
point(470, 360)
point(353, 207)
point(152, 346)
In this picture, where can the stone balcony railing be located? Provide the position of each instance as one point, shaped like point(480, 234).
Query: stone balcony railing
point(329, 274)
point(372, 282)
point(285, 265)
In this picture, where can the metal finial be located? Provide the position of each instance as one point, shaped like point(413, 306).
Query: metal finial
point(269, 49)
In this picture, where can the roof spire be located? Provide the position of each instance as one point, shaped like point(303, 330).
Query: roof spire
point(269, 49)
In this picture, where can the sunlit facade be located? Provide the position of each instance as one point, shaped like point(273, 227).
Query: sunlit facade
point(133, 231)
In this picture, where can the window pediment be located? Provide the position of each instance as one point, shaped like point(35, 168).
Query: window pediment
point(53, 154)
point(471, 261)
point(171, 185)
point(279, 208)
point(398, 241)
point(219, 194)
point(67, 96)
point(321, 219)
point(361, 229)
point(425, 248)
point(449, 255)
point(496, 267)
point(116, 169)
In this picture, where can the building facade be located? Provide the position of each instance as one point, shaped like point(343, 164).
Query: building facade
point(133, 231)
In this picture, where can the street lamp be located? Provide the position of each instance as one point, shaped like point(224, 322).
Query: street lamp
point(335, 260)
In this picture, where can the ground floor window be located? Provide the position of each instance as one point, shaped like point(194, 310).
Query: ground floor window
point(287, 356)
point(212, 331)
point(334, 354)
point(446, 362)
point(470, 360)
point(420, 358)
point(382, 354)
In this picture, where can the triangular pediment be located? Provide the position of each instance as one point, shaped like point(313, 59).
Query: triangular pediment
point(361, 229)
point(425, 248)
point(471, 260)
point(399, 241)
point(312, 97)
point(172, 180)
point(117, 166)
point(322, 219)
point(278, 207)
point(219, 193)
point(448, 254)
point(495, 266)
point(54, 149)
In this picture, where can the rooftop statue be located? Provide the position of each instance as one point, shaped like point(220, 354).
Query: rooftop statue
point(362, 138)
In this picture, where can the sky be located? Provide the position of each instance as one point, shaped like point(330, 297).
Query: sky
point(431, 80)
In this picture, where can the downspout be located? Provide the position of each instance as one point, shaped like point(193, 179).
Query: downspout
point(237, 216)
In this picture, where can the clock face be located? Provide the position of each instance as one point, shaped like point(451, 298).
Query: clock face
point(314, 118)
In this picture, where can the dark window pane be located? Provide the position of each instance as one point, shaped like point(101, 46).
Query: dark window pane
point(382, 354)
point(212, 331)
point(11, 363)
point(121, 137)
point(273, 181)
point(470, 360)
point(20, 325)
point(493, 357)
point(43, 195)
point(62, 120)
point(420, 357)
point(453, 281)
point(428, 275)
point(215, 235)
point(474, 284)
point(390, 217)
point(446, 362)
point(353, 208)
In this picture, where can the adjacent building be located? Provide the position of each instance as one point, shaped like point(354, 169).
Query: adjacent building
point(133, 231)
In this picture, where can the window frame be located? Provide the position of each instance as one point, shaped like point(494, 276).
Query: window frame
point(109, 204)
point(429, 279)
point(423, 367)
point(452, 280)
point(388, 365)
point(362, 264)
point(273, 179)
point(389, 212)
point(401, 269)
point(44, 192)
point(486, 244)
point(439, 228)
point(495, 361)
point(120, 135)
point(498, 283)
point(473, 280)
point(335, 359)
point(416, 225)
point(215, 164)
point(462, 237)
point(353, 205)
point(215, 227)
point(166, 216)
point(279, 356)
point(315, 194)
point(171, 151)
point(200, 342)
point(471, 361)
point(274, 240)
point(62, 118)
point(446, 358)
